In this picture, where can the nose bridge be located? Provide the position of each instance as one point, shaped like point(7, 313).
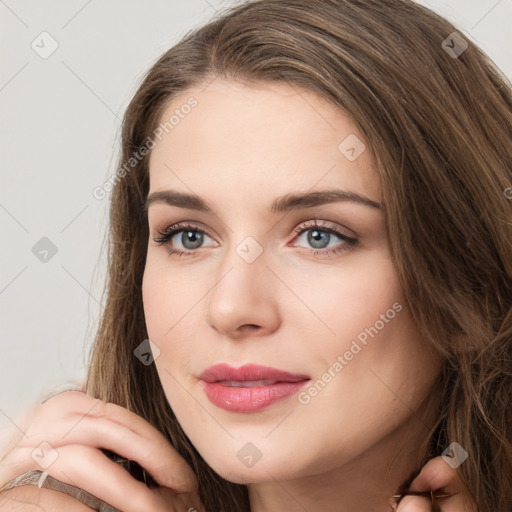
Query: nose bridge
point(245, 244)
point(243, 291)
point(243, 271)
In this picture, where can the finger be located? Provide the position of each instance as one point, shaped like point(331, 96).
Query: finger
point(189, 502)
point(456, 503)
point(156, 455)
point(57, 390)
point(414, 504)
point(165, 464)
point(89, 469)
point(15, 430)
point(437, 474)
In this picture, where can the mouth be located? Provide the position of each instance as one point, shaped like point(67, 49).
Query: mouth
point(249, 388)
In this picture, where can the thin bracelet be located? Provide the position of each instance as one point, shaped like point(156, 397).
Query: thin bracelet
point(43, 479)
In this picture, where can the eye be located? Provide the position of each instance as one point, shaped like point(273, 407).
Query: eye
point(191, 238)
point(319, 236)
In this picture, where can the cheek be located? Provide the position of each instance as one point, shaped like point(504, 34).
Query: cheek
point(156, 302)
point(171, 303)
point(375, 367)
point(347, 302)
point(367, 337)
point(168, 297)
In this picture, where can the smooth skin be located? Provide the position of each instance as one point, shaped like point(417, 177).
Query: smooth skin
point(239, 149)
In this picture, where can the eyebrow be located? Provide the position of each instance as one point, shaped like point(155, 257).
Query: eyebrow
point(288, 202)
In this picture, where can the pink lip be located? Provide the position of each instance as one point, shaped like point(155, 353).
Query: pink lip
point(249, 398)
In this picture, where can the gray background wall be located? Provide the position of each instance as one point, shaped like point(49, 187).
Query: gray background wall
point(59, 128)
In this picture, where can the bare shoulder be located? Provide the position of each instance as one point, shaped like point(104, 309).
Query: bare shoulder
point(30, 498)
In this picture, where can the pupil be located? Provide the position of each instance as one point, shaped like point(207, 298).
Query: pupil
point(194, 237)
point(315, 234)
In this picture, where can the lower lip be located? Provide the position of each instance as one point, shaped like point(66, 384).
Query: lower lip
point(249, 399)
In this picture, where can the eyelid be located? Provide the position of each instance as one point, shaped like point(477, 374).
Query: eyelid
point(181, 224)
point(328, 226)
point(309, 224)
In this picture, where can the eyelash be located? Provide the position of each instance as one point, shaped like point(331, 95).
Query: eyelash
point(166, 235)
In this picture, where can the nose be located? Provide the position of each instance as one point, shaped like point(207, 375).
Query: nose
point(244, 298)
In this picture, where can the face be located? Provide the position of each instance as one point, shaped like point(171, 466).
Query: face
point(293, 292)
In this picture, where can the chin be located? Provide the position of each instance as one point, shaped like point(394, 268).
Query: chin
point(246, 476)
point(237, 467)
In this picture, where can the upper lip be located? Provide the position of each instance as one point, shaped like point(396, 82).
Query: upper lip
point(249, 372)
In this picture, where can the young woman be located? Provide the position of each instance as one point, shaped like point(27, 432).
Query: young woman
point(310, 278)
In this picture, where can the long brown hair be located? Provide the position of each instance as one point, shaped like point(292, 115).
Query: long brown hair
point(439, 125)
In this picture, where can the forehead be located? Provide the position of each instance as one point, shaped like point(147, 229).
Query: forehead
point(231, 137)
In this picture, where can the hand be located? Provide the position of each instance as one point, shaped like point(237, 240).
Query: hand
point(438, 476)
point(74, 428)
